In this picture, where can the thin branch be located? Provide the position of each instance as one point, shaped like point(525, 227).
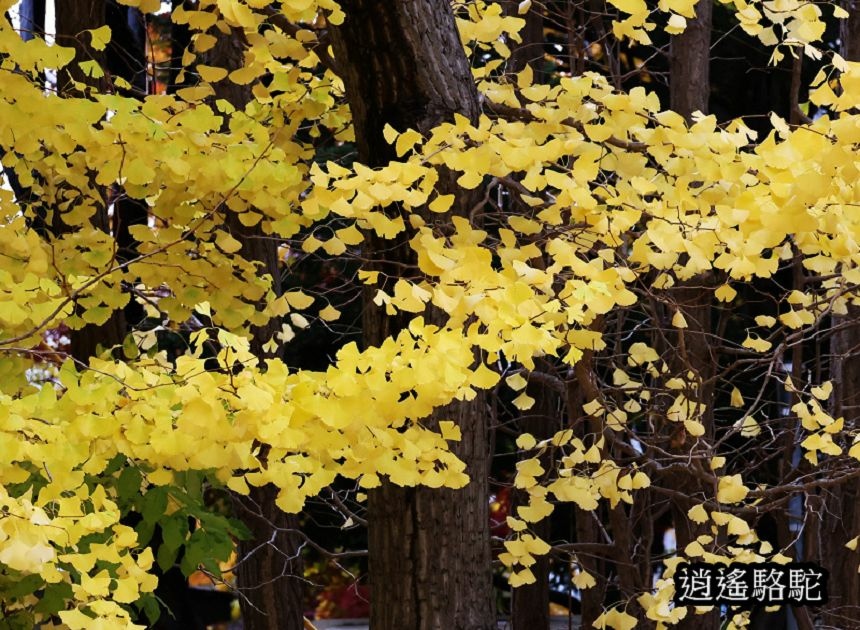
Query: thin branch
point(500, 110)
point(319, 47)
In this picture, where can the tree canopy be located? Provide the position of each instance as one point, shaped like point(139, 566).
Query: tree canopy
point(672, 278)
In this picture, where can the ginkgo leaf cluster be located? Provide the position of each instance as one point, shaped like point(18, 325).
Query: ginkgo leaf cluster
point(612, 190)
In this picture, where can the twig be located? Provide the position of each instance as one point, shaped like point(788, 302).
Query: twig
point(520, 113)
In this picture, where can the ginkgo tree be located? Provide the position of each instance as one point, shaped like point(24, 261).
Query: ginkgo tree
point(645, 265)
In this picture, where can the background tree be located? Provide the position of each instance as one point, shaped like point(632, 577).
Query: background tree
point(426, 546)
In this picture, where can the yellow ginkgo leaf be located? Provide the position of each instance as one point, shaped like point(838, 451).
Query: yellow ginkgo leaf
point(100, 37)
point(737, 399)
point(678, 319)
point(698, 514)
point(329, 313)
point(526, 441)
point(583, 580)
point(731, 489)
point(211, 74)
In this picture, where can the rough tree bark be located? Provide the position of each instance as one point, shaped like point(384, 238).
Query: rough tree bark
point(402, 63)
point(529, 52)
point(689, 92)
point(842, 503)
point(849, 31)
point(530, 602)
point(689, 65)
point(694, 354)
point(270, 573)
point(72, 19)
point(180, 39)
point(124, 57)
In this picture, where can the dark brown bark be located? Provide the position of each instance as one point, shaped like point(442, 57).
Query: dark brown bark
point(126, 52)
point(849, 31)
point(530, 602)
point(125, 58)
point(529, 52)
point(795, 115)
point(840, 506)
point(180, 39)
point(270, 572)
point(270, 575)
point(689, 92)
point(402, 64)
point(429, 548)
point(73, 17)
point(581, 390)
point(693, 354)
point(689, 66)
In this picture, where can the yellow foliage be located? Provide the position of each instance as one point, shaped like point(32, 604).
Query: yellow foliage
point(614, 191)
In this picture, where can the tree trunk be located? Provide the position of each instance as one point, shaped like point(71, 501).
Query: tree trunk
point(73, 17)
point(180, 39)
point(430, 565)
point(270, 576)
point(693, 354)
point(429, 548)
point(127, 59)
point(270, 571)
point(842, 503)
point(529, 52)
point(530, 602)
point(689, 91)
point(689, 67)
point(604, 567)
point(849, 31)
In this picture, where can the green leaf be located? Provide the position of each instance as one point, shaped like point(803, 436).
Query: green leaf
point(128, 484)
point(19, 620)
point(97, 315)
point(145, 530)
point(54, 598)
point(239, 530)
point(26, 585)
point(166, 557)
point(129, 348)
point(154, 505)
point(173, 531)
point(149, 605)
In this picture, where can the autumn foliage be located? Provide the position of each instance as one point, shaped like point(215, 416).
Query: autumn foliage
point(605, 218)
